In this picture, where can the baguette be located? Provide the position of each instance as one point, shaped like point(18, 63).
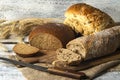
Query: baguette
point(96, 45)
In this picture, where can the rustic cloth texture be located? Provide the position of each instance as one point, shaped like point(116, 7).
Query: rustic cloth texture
point(32, 74)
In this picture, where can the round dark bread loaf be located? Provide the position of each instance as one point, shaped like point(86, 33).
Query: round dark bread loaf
point(51, 36)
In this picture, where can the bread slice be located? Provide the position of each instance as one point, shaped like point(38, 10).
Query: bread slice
point(51, 36)
point(68, 56)
point(25, 50)
point(45, 41)
point(86, 19)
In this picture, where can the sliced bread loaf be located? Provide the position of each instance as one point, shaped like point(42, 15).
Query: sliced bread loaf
point(51, 36)
point(25, 50)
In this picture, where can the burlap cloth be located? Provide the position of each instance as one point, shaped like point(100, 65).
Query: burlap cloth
point(92, 72)
point(111, 64)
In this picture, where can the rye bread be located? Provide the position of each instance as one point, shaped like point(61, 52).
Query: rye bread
point(51, 36)
point(25, 50)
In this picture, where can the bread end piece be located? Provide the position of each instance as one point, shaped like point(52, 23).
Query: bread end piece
point(68, 56)
point(25, 50)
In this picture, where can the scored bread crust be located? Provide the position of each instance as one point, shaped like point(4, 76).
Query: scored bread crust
point(58, 32)
point(86, 19)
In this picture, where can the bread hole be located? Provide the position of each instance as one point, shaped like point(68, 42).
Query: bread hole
point(77, 45)
point(81, 56)
point(87, 22)
point(64, 57)
point(60, 51)
point(75, 51)
point(110, 22)
point(84, 23)
point(74, 15)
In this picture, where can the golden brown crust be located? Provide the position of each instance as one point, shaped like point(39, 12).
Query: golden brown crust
point(86, 19)
point(79, 9)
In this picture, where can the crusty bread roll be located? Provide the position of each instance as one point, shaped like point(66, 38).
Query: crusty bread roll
point(92, 46)
point(25, 50)
point(51, 36)
point(85, 19)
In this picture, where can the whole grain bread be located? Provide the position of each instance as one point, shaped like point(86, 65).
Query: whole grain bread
point(25, 50)
point(92, 46)
point(51, 36)
point(86, 19)
point(68, 56)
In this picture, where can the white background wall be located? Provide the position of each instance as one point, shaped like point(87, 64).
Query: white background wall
point(16, 9)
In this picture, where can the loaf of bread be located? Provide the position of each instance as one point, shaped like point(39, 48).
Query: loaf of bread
point(51, 36)
point(92, 46)
point(25, 50)
point(86, 19)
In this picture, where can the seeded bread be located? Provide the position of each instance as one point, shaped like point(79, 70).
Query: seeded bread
point(25, 50)
point(51, 36)
point(86, 19)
